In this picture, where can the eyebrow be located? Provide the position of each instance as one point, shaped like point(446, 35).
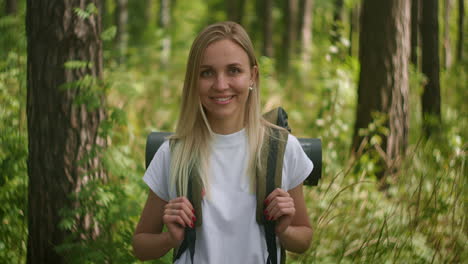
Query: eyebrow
point(229, 65)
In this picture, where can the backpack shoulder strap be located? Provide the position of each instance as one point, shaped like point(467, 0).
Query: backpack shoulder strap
point(194, 195)
point(269, 176)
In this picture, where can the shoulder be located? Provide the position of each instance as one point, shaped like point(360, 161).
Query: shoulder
point(293, 144)
point(297, 166)
point(162, 156)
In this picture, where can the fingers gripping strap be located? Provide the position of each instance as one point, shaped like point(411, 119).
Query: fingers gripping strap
point(274, 168)
point(194, 195)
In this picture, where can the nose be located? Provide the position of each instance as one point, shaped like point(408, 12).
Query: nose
point(221, 83)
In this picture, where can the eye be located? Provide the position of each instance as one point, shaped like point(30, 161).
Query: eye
point(234, 70)
point(206, 73)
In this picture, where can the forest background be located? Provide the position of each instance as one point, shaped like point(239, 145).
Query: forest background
point(394, 174)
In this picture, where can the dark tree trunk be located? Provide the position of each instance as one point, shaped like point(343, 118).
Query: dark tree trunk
point(384, 47)
point(61, 133)
point(289, 34)
point(306, 30)
point(430, 67)
point(415, 33)
point(164, 22)
point(235, 10)
point(355, 14)
point(337, 25)
point(121, 21)
point(461, 17)
point(267, 48)
point(447, 46)
point(11, 7)
point(148, 13)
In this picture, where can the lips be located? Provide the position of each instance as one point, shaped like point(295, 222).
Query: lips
point(222, 100)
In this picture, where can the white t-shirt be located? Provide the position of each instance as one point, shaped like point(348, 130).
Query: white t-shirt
point(230, 232)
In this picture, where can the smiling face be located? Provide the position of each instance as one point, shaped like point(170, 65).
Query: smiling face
point(224, 78)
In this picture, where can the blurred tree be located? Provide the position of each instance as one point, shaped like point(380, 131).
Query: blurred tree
point(446, 44)
point(235, 10)
point(148, 9)
point(430, 66)
point(337, 25)
point(353, 27)
point(121, 21)
point(306, 30)
point(266, 10)
point(415, 32)
point(164, 22)
point(62, 128)
point(384, 47)
point(461, 17)
point(289, 34)
point(11, 7)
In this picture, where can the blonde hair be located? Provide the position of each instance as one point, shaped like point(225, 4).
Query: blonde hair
point(193, 133)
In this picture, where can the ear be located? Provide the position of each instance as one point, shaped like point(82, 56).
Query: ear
point(254, 74)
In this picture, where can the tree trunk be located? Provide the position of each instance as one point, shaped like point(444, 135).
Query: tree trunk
point(415, 32)
point(11, 7)
point(430, 67)
point(306, 31)
point(461, 17)
point(164, 22)
point(384, 47)
point(267, 48)
point(61, 132)
point(447, 43)
point(235, 10)
point(289, 34)
point(121, 21)
point(148, 13)
point(355, 14)
point(337, 25)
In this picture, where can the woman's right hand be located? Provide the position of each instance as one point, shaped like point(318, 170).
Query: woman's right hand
point(178, 214)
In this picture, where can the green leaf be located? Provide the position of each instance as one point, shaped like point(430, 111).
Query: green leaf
point(109, 33)
point(77, 64)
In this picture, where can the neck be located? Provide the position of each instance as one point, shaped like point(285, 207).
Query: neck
point(226, 126)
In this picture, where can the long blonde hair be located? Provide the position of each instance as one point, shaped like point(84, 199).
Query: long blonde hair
point(193, 133)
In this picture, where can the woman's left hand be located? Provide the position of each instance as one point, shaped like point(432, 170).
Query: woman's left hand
point(280, 207)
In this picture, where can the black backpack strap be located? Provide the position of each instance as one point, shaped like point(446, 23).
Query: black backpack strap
point(277, 140)
point(194, 195)
point(190, 233)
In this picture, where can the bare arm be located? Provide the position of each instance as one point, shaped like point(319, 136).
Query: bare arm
point(149, 242)
point(292, 228)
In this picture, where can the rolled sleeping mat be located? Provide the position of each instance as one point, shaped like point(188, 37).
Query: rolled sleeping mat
point(311, 146)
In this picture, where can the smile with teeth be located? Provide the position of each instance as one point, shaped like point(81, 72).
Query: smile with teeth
point(222, 99)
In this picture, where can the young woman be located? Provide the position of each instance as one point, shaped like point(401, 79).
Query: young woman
point(219, 135)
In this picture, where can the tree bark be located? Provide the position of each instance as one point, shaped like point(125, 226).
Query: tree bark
point(354, 29)
point(415, 32)
point(289, 34)
point(235, 10)
point(164, 22)
point(430, 67)
point(267, 48)
point(337, 21)
point(306, 30)
point(384, 47)
point(447, 46)
point(121, 21)
point(11, 7)
point(61, 132)
point(461, 17)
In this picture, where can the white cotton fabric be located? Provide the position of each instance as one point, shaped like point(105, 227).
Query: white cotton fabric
point(229, 233)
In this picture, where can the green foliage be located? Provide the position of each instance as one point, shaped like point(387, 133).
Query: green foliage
point(419, 218)
point(13, 145)
point(90, 10)
point(109, 33)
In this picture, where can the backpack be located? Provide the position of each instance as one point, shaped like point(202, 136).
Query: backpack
point(268, 178)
